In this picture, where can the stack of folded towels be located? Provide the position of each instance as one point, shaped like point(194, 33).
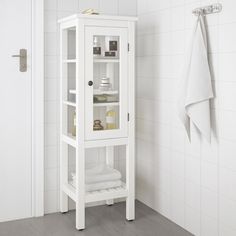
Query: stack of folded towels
point(100, 177)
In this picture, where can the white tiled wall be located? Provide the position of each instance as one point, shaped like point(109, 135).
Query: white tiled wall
point(55, 9)
point(191, 184)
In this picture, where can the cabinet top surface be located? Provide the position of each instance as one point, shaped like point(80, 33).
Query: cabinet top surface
point(97, 17)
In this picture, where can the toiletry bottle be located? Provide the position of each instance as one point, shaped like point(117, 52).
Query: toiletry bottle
point(110, 118)
point(74, 124)
point(96, 47)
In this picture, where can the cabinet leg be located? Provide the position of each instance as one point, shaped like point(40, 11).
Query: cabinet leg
point(110, 162)
point(80, 187)
point(130, 182)
point(130, 208)
point(80, 216)
point(63, 202)
point(63, 177)
point(110, 202)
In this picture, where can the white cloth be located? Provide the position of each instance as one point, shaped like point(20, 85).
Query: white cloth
point(100, 185)
point(100, 173)
point(195, 89)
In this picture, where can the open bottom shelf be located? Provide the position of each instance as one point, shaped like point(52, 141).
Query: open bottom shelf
point(99, 195)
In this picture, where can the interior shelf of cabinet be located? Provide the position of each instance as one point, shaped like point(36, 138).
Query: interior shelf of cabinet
point(105, 104)
point(68, 103)
point(69, 61)
point(100, 195)
point(97, 92)
point(105, 60)
point(72, 91)
point(109, 92)
point(69, 139)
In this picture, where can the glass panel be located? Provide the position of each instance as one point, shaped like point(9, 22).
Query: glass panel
point(106, 90)
point(69, 44)
point(68, 75)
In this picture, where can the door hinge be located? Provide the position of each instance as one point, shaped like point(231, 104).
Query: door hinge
point(128, 116)
point(128, 47)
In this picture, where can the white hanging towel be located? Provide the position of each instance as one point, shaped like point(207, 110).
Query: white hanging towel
point(195, 84)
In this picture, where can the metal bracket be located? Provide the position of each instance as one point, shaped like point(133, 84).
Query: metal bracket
point(210, 9)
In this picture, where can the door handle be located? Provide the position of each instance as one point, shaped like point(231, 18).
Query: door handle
point(23, 60)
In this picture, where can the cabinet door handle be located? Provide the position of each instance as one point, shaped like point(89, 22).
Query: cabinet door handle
point(90, 83)
point(23, 60)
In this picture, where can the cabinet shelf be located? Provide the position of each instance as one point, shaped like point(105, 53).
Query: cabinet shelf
point(109, 92)
point(100, 195)
point(106, 104)
point(68, 103)
point(105, 60)
point(72, 91)
point(69, 139)
point(98, 92)
point(69, 61)
point(69, 190)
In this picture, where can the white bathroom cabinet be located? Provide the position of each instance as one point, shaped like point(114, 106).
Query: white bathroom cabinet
point(93, 47)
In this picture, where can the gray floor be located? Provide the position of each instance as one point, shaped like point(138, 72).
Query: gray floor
point(100, 221)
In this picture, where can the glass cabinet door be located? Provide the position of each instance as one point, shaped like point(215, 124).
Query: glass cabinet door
point(106, 82)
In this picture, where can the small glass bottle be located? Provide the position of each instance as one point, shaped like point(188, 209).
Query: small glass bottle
point(96, 47)
point(110, 118)
point(74, 124)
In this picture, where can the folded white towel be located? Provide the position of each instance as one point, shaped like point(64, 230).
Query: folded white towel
point(100, 173)
point(95, 168)
point(195, 87)
point(100, 186)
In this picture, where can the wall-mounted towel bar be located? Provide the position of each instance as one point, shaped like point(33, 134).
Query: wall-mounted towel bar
point(214, 8)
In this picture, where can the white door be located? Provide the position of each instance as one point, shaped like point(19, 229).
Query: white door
point(15, 115)
point(106, 82)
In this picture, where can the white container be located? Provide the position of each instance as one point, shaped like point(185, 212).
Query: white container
point(105, 80)
point(105, 84)
point(104, 87)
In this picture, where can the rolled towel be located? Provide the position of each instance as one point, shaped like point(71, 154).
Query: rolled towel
point(100, 186)
point(100, 173)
